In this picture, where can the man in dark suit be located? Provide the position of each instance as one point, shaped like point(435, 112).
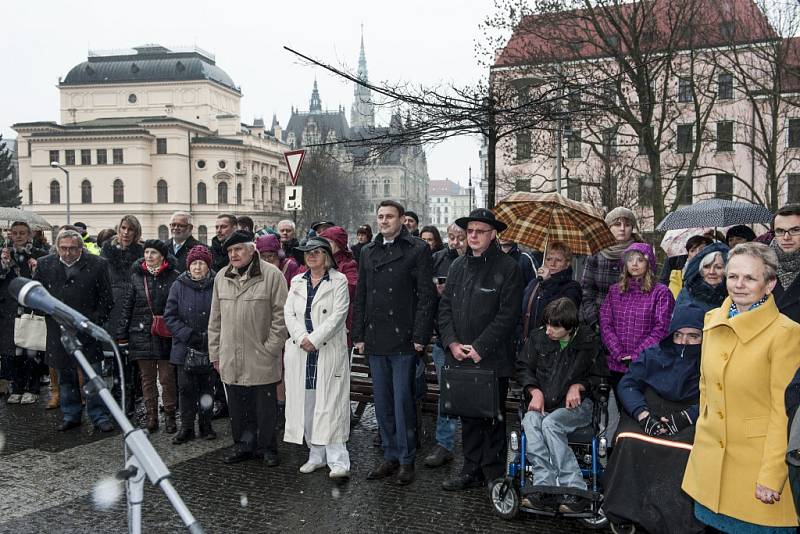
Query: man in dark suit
point(80, 280)
point(180, 226)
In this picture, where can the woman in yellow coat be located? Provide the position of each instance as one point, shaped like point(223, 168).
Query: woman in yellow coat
point(736, 472)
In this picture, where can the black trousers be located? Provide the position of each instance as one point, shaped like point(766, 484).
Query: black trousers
point(25, 373)
point(191, 389)
point(484, 441)
point(253, 411)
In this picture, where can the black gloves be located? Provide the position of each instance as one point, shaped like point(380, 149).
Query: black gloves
point(653, 425)
point(677, 421)
point(196, 340)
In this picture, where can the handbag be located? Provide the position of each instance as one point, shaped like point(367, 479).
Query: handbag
point(197, 362)
point(30, 332)
point(469, 392)
point(159, 326)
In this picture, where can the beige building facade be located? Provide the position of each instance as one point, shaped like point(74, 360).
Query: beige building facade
point(151, 131)
point(447, 201)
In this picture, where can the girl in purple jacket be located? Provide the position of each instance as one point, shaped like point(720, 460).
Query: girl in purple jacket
point(636, 312)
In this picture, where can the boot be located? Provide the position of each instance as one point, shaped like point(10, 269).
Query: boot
point(186, 434)
point(280, 420)
point(55, 392)
point(206, 430)
point(152, 415)
point(170, 427)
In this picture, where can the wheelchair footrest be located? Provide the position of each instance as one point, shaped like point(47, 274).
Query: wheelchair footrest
point(555, 491)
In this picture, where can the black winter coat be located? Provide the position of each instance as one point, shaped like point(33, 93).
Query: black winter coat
point(557, 286)
point(180, 257)
point(87, 289)
point(442, 260)
point(119, 271)
point(136, 316)
point(8, 312)
point(543, 365)
point(788, 300)
point(481, 306)
point(395, 297)
point(220, 256)
point(19, 258)
point(186, 313)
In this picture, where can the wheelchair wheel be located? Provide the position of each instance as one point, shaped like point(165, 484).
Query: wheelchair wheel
point(598, 522)
point(505, 498)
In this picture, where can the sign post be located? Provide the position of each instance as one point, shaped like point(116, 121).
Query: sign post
point(294, 160)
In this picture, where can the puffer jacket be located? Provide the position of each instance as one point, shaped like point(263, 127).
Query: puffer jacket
point(187, 312)
point(119, 271)
point(544, 365)
point(557, 286)
point(136, 316)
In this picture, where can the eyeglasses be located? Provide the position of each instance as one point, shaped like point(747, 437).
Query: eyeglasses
point(178, 225)
point(315, 252)
point(794, 232)
point(476, 231)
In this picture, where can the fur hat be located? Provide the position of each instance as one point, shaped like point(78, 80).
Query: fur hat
point(158, 245)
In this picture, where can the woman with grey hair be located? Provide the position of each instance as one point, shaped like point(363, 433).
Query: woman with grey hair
point(737, 471)
point(704, 278)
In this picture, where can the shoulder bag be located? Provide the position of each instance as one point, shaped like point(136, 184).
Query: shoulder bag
point(30, 332)
point(197, 361)
point(469, 392)
point(159, 326)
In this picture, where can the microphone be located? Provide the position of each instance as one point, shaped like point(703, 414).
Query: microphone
point(32, 294)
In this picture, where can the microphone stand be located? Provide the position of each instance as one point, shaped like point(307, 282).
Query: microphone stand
point(144, 460)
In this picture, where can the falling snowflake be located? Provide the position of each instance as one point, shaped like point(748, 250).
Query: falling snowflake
point(243, 500)
point(336, 493)
point(206, 402)
point(106, 493)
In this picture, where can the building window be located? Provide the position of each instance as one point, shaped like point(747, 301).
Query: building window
point(728, 28)
point(725, 86)
point(574, 188)
point(238, 194)
point(161, 145)
point(685, 139)
point(163, 233)
point(117, 155)
point(724, 189)
point(102, 156)
point(222, 193)
point(523, 145)
point(725, 136)
point(162, 192)
point(794, 133)
point(222, 164)
point(55, 192)
point(202, 234)
point(645, 190)
point(574, 144)
point(69, 157)
point(374, 188)
point(793, 186)
point(264, 191)
point(54, 156)
point(683, 190)
point(201, 193)
point(574, 100)
point(275, 193)
point(119, 191)
point(522, 184)
point(30, 192)
point(86, 192)
point(684, 89)
point(387, 188)
point(609, 142)
point(201, 164)
point(86, 157)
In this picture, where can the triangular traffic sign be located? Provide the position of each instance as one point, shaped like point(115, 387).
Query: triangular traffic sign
point(294, 160)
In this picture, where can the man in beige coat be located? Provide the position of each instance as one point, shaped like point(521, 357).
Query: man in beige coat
point(246, 333)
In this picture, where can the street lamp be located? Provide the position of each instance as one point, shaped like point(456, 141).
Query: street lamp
point(55, 165)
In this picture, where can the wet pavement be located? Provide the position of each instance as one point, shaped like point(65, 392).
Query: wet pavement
point(48, 481)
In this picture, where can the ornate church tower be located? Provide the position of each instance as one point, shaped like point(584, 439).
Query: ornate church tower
point(362, 112)
point(315, 104)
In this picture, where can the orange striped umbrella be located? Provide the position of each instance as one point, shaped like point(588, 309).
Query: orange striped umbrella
point(536, 219)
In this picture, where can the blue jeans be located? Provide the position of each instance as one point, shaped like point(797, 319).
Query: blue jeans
point(393, 389)
point(445, 425)
point(71, 397)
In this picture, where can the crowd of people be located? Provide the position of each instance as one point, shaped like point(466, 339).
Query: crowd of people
point(259, 327)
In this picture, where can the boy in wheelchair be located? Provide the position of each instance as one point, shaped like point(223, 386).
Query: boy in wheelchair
point(554, 369)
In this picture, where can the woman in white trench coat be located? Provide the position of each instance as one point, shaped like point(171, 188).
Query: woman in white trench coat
point(317, 363)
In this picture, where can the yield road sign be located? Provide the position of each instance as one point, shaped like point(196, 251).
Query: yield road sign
point(294, 198)
point(294, 160)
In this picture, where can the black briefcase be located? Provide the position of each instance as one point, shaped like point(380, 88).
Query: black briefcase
point(468, 392)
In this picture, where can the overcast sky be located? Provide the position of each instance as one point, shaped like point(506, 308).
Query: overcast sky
point(421, 41)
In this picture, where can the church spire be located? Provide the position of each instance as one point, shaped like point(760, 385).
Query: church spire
point(315, 105)
point(362, 112)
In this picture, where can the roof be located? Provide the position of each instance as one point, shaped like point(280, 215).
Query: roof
point(443, 188)
point(151, 63)
point(326, 121)
point(571, 35)
point(107, 125)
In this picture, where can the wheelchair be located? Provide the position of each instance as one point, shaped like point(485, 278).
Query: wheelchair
point(516, 492)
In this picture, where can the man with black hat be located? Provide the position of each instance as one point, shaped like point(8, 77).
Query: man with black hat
point(392, 323)
point(411, 221)
point(321, 226)
point(246, 333)
point(478, 314)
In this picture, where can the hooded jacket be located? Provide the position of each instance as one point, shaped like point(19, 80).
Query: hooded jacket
point(558, 285)
point(672, 371)
point(695, 290)
point(632, 321)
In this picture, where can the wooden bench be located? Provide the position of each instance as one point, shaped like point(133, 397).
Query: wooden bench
point(361, 387)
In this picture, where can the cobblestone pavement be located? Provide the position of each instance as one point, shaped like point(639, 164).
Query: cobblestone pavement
point(47, 480)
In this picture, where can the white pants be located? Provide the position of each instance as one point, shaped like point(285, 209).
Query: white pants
point(334, 454)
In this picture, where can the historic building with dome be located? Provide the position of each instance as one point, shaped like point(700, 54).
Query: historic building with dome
point(150, 131)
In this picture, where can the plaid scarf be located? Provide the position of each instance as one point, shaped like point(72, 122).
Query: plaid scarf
point(788, 265)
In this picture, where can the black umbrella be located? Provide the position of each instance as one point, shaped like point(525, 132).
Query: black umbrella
point(717, 213)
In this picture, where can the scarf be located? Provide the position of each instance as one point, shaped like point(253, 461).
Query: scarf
point(788, 265)
point(708, 293)
point(734, 310)
point(155, 271)
point(614, 252)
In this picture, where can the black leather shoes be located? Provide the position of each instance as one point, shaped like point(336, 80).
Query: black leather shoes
point(236, 456)
point(105, 426)
point(405, 475)
point(186, 434)
point(272, 460)
point(384, 469)
point(438, 457)
point(461, 482)
point(68, 425)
